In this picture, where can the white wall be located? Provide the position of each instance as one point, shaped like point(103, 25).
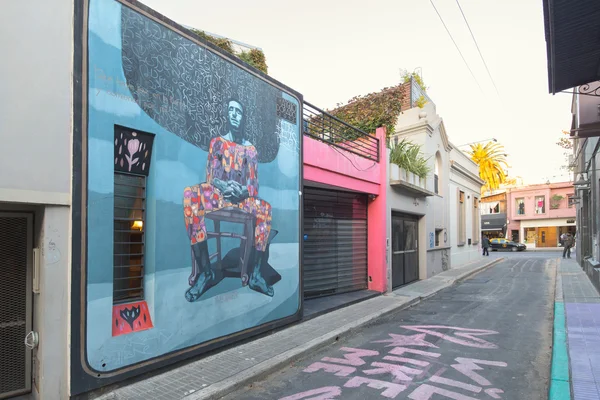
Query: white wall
point(36, 41)
point(464, 176)
point(51, 305)
point(425, 127)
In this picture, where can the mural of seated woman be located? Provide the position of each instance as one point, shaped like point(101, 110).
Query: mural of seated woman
point(231, 181)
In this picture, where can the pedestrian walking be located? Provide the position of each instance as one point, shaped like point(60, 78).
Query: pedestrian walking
point(567, 244)
point(485, 243)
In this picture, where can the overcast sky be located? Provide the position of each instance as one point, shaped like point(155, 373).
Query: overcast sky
point(332, 50)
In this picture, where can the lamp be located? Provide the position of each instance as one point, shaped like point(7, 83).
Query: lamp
point(581, 183)
point(139, 225)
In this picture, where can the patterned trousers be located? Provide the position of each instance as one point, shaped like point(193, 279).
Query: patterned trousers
point(202, 199)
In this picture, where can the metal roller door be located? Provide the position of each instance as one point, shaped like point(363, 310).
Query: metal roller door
point(335, 245)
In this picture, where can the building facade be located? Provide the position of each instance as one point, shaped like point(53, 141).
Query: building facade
point(464, 202)
point(586, 161)
point(154, 223)
point(443, 208)
point(494, 210)
point(539, 214)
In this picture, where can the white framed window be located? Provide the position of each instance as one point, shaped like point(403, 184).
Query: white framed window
point(462, 231)
point(540, 204)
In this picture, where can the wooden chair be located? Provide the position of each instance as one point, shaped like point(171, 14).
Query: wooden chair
point(235, 215)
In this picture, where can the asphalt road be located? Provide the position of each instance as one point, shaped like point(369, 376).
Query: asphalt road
point(489, 337)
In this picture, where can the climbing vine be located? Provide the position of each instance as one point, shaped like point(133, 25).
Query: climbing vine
point(373, 110)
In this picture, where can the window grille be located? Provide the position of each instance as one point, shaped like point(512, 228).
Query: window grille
point(129, 232)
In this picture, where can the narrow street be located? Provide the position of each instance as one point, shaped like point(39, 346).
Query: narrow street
point(489, 337)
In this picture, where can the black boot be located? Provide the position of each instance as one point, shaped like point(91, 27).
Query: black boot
point(257, 281)
point(207, 277)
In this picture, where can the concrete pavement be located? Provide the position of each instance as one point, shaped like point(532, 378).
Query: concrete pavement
point(217, 375)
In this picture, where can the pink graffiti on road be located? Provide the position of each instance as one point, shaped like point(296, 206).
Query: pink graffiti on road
point(462, 332)
point(402, 367)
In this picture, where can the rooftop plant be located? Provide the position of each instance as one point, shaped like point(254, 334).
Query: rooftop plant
point(254, 57)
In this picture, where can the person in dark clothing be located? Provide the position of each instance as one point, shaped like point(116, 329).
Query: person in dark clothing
point(485, 243)
point(567, 244)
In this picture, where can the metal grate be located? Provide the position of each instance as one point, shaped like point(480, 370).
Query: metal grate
point(325, 127)
point(129, 228)
point(13, 305)
point(335, 249)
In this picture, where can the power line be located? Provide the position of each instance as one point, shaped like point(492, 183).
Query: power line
point(457, 48)
point(478, 50)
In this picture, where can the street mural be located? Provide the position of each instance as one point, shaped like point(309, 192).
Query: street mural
point(220, 252)
point(412, 367)
point(232, 187)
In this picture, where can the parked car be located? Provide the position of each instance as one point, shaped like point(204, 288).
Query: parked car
point(505, 244)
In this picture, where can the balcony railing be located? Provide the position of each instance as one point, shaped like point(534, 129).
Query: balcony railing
point(416, 92)
point(323, 126)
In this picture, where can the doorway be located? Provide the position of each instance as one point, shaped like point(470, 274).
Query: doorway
point(15, 303)
point(405, 254)
point(547, 237)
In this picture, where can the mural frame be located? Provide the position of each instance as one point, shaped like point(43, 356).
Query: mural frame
point(84, 379)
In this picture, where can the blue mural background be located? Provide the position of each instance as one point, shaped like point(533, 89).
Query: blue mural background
point(176, 163)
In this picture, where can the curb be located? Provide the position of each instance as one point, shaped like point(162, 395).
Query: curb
point(560, 377)
point(227, 386)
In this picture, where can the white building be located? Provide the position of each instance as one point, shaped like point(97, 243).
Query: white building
point(443, 207)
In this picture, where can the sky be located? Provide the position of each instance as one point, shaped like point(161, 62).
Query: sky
point(333, 50)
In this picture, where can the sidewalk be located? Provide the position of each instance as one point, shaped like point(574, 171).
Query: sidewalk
point(577, 297)
point(217, 375)
point(547, 249)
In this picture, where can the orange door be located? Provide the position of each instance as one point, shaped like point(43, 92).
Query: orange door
point(542, 237)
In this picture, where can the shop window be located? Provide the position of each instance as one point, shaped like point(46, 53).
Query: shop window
point(462, 234)
point(521, 206)
point(490, 208)
point(476, 221)
point(131, 167)
point(540, 204)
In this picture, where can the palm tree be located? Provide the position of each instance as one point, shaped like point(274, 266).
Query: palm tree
point(491, 160)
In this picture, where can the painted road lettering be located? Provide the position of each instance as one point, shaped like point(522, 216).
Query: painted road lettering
point(408, 369)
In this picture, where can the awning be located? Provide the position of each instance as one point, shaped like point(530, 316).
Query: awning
point(572, 42)
point(493, 222)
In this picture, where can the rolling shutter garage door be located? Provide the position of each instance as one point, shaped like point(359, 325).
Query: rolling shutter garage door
point(335, 245)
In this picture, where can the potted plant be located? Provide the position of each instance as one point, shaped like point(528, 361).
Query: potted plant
point(412, 164)
point(555, 201)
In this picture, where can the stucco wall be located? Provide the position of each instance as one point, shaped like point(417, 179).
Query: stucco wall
point(424, 127)
point(464, 176)
point(35, 159)
point(35, 118)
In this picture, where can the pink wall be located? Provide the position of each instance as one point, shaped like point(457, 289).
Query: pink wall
point(324, 164)
point(343, 170)
point(529, 193)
